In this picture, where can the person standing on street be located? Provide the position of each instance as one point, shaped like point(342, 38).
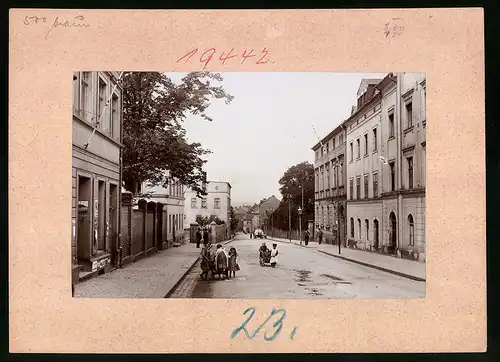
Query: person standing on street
point(233, 262)
point(274, 255)
point(198, 237)
point(320, 236)
point(205, 236)
point(306, 237)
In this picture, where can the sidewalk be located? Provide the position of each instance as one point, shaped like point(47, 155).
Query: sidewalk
point(152, 277)
point(410, 269)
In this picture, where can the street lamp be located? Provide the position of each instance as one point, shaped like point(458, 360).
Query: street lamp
point(300, 225)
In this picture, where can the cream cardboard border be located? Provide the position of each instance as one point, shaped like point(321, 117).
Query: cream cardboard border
point(447, 44)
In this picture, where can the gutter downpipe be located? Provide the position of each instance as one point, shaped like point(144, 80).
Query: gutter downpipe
point(344, 183)
point(119, 238)
point(399, 159)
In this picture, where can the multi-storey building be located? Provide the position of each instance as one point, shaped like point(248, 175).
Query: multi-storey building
point(96, 168)
point(172, 197)
point(404, 164)
point(386, 143)
point(364, 203)
point(217, 202)
point(330, 194)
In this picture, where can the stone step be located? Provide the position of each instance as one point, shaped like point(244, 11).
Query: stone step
point(86, 275)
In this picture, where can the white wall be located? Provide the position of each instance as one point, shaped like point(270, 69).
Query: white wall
point(215, 189)
point(365, 164)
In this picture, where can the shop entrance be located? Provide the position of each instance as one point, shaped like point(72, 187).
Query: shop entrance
point(113, 219)
point(84, 227)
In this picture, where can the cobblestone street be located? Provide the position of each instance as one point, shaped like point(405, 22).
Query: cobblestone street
point(301, 273)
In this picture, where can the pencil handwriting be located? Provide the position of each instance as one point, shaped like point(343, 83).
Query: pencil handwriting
point(393, 28)
point(57, 23)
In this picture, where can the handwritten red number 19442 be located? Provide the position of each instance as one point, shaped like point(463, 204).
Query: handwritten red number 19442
point(209, 55)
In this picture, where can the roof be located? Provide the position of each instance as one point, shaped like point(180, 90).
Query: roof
point(377, 86)
point(328, 136)
point(354, 109)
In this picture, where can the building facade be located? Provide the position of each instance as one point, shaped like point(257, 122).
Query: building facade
point(96, 170)
point(404, 166)
point(217, 202)
point(364, 203)
point(173, 199)
point(385, 152)
point(329, 187)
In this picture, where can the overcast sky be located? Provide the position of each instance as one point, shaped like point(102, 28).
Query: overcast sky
point(268, 126)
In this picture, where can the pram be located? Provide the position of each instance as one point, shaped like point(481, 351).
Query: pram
point(265, 257)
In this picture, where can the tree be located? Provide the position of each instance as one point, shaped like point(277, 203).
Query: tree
point(300, 175)
point(234, 221)
point(207, 220)
point(154, 108)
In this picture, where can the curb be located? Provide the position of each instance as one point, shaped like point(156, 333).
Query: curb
point(408, 276)
point(171, 291)
point(280, 241)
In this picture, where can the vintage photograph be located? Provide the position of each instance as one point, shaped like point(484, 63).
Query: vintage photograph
point(248, 185)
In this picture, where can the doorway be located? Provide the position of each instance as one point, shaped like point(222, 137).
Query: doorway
point(392, 233)
point(84, 227)
point(375, 234)
point(113, 220)
point(101, 216)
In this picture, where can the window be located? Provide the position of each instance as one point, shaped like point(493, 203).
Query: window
point(393, 176)
point(352, 227)
point(391, 125)
point(341, 180)
point(366, 187)
point(115, 115)
point(102, 103)
point(170, 223)
point(216, 203)
point(358, 147)
point(358, 187)
point(375, 139)
point(333, 143)
point(366, 144)
point(341, 139)
point(411, 229)
point(204, 203)
point(352, 151)
point(351, 189)
point(410, 172)
point(86, 91)
point(327, 177)
point(327, 147)
point(409, 115)
point(367, 229)
point(335, 174)
point(375, 184)
point(193, 203)
point(359, 229)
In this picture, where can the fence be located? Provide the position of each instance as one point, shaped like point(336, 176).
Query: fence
point(283, 234)
point(218, 233)
point(145, 230)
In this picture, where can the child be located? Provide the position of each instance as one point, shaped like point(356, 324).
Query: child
point(274, 255)
point(233, 262)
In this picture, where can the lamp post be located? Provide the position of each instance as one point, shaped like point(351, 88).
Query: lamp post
point(289, 221)
point(300, 225)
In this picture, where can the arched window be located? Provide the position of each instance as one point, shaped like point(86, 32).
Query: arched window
point(411, 229)
point(359, 229)
point(352, 227)
point(367, 226)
